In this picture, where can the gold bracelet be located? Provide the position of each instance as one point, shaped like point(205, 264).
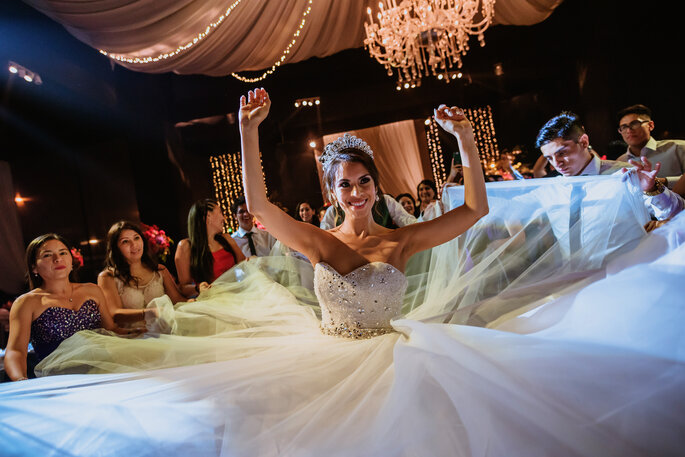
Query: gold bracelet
point(659, 188)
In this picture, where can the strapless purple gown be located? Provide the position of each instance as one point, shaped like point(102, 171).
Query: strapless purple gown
point(56, 324)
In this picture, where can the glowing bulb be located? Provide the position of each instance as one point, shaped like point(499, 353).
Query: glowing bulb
point(318, 102)
point(427, 121)
point(406, 85)
point(28, 78)
point(93, 241)
point(312, 144)
point(440, 76)
point(13, 69)
point(460, 74)
point(297, 105)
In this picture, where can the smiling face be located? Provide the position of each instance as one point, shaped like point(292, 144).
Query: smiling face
point(130, 245)
point(426, 193)
point(244, 217)
point(306, 212)
point(408, 205)
point(354, 189)
point(53, 261)
point(568, 157)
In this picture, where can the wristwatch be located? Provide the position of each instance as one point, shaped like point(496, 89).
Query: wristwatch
point(659, 188)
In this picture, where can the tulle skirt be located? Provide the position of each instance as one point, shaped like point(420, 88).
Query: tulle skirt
point(497, 354)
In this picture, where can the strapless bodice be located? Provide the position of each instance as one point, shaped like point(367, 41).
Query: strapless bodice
point(361, 303)
point(56, 324)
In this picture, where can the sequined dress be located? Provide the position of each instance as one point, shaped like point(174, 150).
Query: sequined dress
point(361, 303)
point(56, 324)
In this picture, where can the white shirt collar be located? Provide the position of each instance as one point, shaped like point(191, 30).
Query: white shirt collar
point(241, 231)
point(592, 168)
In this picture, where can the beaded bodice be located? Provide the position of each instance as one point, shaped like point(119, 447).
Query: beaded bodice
point(56, 324)
point(361, 303)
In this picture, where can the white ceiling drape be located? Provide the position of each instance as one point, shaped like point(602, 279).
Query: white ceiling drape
point(252, 36)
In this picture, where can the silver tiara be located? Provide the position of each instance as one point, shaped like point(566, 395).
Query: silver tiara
point(346, 141)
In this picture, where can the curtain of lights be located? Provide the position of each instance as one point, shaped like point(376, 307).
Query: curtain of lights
point(484, 133)
point(227, 179)
point(228, 186)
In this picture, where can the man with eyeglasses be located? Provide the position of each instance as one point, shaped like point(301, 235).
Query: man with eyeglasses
point(635, 126)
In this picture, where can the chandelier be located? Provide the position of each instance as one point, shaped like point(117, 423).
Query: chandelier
point(420, 37)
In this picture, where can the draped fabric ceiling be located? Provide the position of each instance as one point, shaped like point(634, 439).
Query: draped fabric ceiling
point(252, 36)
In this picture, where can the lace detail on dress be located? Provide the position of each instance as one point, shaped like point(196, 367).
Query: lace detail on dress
point(133, 297)
point(361, 303)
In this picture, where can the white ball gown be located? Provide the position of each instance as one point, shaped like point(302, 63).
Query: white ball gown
point(508, 343)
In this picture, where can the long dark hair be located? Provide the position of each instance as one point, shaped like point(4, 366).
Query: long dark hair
point(411, 197)
point(430, 183)
point(114, 259)
point(201, 259)
point(35, 279)
point(315, 215)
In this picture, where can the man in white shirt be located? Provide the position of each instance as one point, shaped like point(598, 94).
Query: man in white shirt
point(563, 141)
point(397, 213)
point(251, 240)
point(635, 125)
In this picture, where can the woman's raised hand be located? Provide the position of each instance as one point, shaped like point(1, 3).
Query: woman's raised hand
point(254, 108)
point(452, 119)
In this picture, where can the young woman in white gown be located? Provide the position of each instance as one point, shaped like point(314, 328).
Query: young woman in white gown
point(378, 386)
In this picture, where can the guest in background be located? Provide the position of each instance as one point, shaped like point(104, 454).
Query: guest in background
point(131, 278)
point(321, 213)
point(305, 212)
point(55, 308)
point(208, 251)
point(251, 240)
point(408, 203)
point(505, 167)
point(635, 125)
point(427, 193)
point(564, 142)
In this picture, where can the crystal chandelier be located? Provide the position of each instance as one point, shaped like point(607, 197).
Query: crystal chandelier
point(419, 37)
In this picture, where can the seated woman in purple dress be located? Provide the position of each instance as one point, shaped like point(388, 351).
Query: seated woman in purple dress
point(54, 309)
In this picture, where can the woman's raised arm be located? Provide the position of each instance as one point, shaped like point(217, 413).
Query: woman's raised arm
point(455, 222)
point(300, 236)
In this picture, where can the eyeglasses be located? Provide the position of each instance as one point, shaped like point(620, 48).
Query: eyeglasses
point(636, 124)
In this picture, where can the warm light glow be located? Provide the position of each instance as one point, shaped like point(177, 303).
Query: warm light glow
point(13, 69)
point(427, 121)
point(28, 78)
point(312, 144)
point(93, 241)
point(199, 37)
point(19, 200)
point(297, 105)
point(317, 101)
point(423, 37)
point(285, 53)
point(440, 76)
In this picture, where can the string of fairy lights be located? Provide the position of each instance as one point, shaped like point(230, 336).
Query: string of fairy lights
point(285, 52)
point(202, 35)
point(435, 152)
point(183, 47)
point(484, 134)
point(227, 173)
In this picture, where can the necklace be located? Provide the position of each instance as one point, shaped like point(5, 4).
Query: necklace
point(71, 295)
